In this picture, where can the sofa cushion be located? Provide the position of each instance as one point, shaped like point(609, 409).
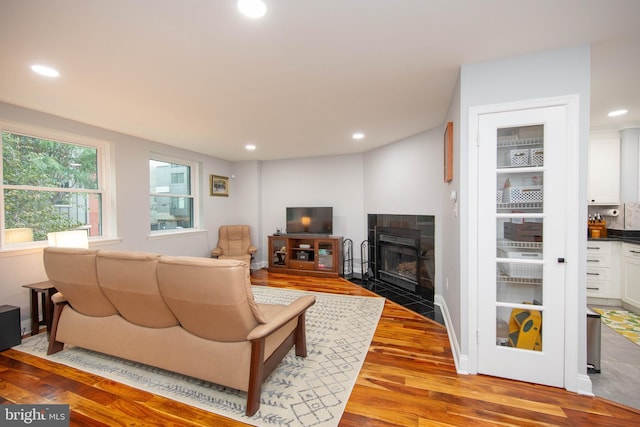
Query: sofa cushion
point(209, 297)
point(172, 348)
point(73, 273)
point(244, 258)
point(129, 280)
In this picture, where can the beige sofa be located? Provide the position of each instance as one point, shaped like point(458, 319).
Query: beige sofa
point(194, 316)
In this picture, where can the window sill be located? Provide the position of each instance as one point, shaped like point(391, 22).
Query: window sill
point(37, 247)
point(168, 234)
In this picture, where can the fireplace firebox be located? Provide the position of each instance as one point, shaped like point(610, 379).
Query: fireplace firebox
point(398, 251)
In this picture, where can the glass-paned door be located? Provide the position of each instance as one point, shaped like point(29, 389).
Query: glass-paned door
point(325, 255)
point(521, 245)
point(277, 252)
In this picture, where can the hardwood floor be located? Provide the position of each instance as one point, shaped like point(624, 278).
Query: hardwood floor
point(408, 379)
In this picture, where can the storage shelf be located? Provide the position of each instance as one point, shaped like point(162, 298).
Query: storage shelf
point(513, 244)
point(520, 205)
point(520, 142)
point(501, 278)
point(503, 169)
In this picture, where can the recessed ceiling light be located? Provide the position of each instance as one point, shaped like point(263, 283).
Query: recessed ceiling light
point(617, 113)
point(250, 147)
point(252, 8)
point(358, 135)
point(43, 70)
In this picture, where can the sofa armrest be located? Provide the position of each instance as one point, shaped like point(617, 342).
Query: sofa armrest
point(215, 253)
point(58, 298)
point(291, 311)
point(59, 302)
point(252, 249)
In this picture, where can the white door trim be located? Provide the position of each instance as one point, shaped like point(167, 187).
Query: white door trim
point(576, 378)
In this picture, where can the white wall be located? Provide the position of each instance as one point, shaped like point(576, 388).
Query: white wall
point(542, 75)
point(405, 177)
point(130, 156)
point(402, 177)
point(245, 195)
point(451, 295)
point(319, 181)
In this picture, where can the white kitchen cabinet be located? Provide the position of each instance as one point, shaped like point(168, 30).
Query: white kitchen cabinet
point(631, 275)
point(603, 272)
point(604, 171)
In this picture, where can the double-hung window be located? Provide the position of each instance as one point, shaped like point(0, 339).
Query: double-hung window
point(172, 194)
point(50, 185)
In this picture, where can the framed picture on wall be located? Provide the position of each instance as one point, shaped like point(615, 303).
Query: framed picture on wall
point(448, 152)
point(219, 185)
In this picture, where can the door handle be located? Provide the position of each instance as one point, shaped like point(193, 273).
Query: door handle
point(561, 260)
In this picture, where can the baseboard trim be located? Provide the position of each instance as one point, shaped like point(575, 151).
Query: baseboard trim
point(460, 361)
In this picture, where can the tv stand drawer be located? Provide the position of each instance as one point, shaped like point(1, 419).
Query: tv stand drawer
point(301, 265)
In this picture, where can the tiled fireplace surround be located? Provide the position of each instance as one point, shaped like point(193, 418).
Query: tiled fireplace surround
point(419, 296)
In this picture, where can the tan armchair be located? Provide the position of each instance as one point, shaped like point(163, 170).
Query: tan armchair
point(234, 242)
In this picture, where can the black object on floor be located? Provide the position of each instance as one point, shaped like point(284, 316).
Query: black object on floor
point(403, 297)
point(9, 327)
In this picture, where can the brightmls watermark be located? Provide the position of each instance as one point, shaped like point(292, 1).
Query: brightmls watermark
point(34, 415)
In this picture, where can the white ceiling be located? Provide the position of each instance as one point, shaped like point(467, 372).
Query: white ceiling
point(299, 82)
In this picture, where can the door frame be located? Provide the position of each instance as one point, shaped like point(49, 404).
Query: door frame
point(575, 360)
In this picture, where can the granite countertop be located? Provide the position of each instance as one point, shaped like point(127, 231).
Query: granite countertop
point(627, 236)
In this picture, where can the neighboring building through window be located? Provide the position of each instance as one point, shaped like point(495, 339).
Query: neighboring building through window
point(172, 194)
point(49, 185)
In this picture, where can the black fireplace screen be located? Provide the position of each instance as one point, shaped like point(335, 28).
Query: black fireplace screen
point(399, 260)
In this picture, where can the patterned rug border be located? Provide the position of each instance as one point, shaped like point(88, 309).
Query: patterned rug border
point(623, 322)
point(310, 391)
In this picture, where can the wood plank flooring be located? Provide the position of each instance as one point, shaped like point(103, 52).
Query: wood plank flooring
point(408, 379)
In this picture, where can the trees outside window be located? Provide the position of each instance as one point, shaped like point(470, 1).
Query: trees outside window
point(48, 186)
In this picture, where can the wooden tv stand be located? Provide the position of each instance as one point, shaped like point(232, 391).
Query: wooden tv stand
point(318, 256)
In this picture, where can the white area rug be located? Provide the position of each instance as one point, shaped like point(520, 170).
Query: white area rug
point(311, 391)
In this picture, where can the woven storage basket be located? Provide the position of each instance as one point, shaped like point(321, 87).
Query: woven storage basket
point(525, 271)
point(524, 194)
point(536, 156)
point(517, 157)
point(522, 271)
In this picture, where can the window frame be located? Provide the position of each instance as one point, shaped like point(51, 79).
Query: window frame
point(194, 177)
point(105, 178)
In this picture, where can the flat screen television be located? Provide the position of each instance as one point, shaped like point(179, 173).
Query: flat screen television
point(310, 220)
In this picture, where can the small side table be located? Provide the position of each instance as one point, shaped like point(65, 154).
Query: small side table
point(46, 290)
